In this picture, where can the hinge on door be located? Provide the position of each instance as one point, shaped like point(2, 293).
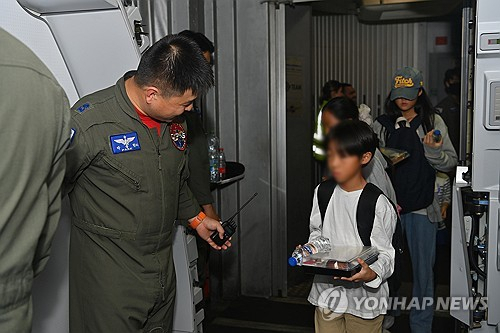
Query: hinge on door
point(277, 3)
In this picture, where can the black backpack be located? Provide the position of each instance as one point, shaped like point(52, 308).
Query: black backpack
point(365, 216)
point(413, 178)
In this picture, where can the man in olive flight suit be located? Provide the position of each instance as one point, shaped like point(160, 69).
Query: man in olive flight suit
point(127, 171)
point(34, 132)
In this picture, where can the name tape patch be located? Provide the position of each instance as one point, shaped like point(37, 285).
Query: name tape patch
point(122, 143)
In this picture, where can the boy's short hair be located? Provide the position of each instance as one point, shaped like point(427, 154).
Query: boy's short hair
point(342, 108)
point(354, 137)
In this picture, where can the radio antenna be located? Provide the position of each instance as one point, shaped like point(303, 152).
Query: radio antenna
point(243, 206)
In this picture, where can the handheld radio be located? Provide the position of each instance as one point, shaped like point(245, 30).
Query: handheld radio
point(229, 226)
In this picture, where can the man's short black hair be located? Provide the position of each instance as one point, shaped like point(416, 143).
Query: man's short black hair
point(175, 64)
point(353, 137)
point(342, 108)
point(203, 42)
point(328, 88)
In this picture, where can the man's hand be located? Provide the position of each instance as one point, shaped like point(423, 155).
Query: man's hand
point(366, 274)
point(430, 142)
point(205, 229)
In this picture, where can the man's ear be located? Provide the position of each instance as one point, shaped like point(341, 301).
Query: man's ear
point(420, 92)
point(151, 94)
point(366, 158)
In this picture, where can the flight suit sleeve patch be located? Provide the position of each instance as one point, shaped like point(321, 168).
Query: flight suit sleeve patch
point(178, 136)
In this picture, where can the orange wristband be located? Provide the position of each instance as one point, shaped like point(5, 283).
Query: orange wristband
point(197, 220)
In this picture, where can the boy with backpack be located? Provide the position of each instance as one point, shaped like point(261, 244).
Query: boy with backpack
point(341, 212)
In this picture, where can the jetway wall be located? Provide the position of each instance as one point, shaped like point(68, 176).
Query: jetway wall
point(367, 55)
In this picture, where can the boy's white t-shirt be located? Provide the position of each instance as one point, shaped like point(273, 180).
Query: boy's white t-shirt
point(341, 229)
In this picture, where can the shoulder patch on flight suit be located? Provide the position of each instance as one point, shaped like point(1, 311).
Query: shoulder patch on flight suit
point(122, 143)
point(178, 136)
point(83, 107)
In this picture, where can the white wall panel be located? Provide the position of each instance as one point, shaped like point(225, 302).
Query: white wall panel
point(365, 55)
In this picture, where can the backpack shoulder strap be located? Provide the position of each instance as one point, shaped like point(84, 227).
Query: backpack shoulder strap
point(325, 192)
point(416, 122)
point(365, 212)
point(387, 123)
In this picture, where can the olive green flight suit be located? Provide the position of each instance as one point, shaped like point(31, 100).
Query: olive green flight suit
point(34, 134)
point(127, 187)
point(199, 166)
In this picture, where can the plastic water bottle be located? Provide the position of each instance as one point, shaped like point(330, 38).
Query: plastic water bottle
point(222, 164)
point(319, 244)
point(437, 135)
point(213, 143)
point(213, 158)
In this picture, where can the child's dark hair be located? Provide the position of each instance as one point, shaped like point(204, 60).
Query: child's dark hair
point(342, 108)
point(354, 137)
point(423, 108)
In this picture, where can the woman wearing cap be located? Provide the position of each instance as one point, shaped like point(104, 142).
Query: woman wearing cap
point(410, 123)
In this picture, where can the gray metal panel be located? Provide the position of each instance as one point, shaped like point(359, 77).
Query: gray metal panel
point(277, 76)
point(254, 146)
point(239, 111)
point(184, 308)
point(486, 147)
point(163, 17)
point(364, 55)
point(227, 94)
point(460, 278)
point(299, 162)
point(180, 15)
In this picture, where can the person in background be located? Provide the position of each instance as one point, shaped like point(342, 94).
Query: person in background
point(364, 110)
point(340, 109)
point(349, 92)
point(331, 89)
point(449, 108)
point(408, 124)
point(206, 46)
point(34, 131)
point(199, 166)
point(351, 146)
